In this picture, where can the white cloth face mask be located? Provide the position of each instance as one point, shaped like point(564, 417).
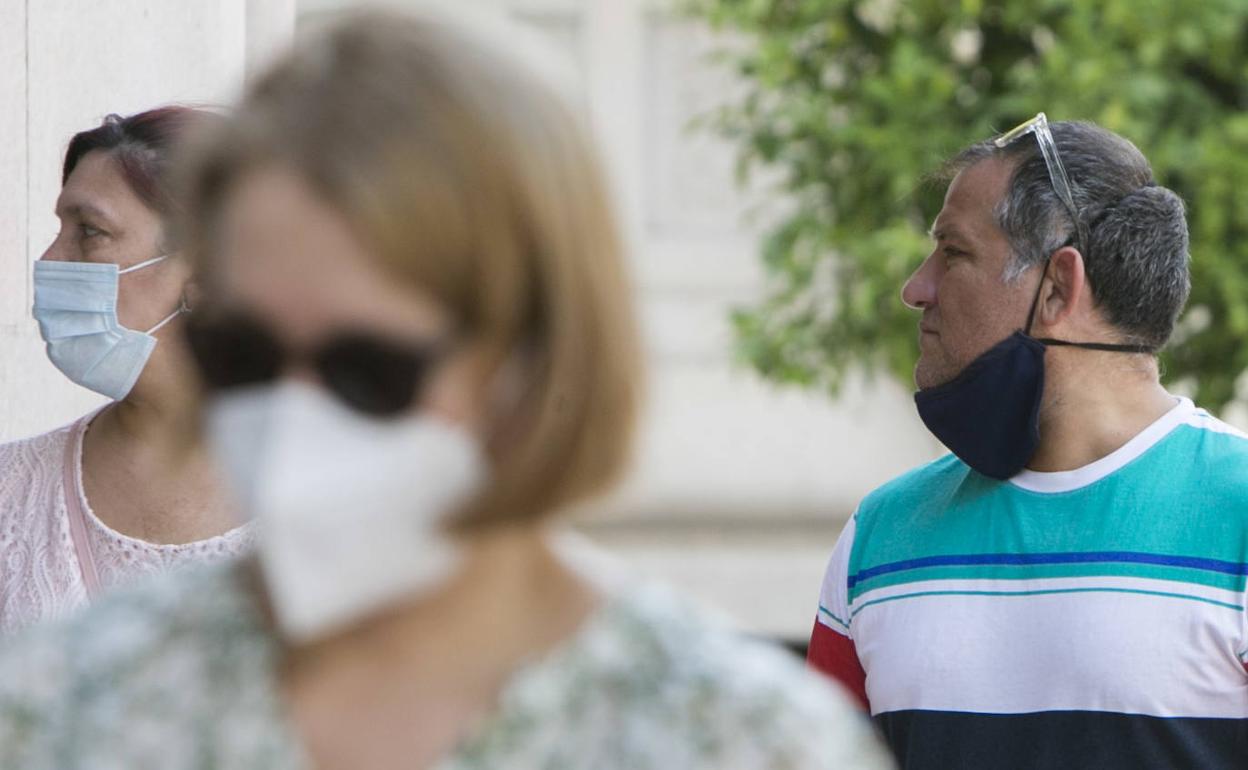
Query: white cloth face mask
point(76, 307)
point(350, 509)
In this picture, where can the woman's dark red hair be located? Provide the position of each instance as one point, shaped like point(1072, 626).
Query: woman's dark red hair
point(143, 145)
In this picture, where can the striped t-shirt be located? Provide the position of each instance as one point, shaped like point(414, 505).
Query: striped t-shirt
point(1084, 619)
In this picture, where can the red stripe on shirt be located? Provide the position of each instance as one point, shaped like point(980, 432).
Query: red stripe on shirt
point(833, 653)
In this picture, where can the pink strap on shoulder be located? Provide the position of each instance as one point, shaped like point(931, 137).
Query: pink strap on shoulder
point(73, 507)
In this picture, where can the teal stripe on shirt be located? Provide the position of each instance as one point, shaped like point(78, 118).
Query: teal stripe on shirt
point(920, 594)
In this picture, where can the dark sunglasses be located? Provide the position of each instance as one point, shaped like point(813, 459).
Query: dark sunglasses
point(372, 374)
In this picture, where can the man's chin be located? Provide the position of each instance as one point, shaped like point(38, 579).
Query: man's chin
point(928, 376)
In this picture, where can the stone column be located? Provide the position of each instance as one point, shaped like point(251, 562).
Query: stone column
point(270, 27)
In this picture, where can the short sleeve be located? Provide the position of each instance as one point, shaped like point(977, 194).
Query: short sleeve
point(834, 594)
point(831, 649)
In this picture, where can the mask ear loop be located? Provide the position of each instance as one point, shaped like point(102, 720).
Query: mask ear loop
point(1035, 301)
point(143, 264)
point(182, 308)
point(1107, 347)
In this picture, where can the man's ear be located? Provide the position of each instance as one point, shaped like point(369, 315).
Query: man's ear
point(1065, 288)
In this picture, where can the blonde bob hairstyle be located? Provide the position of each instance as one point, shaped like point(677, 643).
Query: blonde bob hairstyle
point(469, 176)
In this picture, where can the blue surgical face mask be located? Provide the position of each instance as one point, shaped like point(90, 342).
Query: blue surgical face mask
point(989, 415)
point(76, 307)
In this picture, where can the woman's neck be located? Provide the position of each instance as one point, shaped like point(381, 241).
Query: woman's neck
point(144, 471)
point(410, 685)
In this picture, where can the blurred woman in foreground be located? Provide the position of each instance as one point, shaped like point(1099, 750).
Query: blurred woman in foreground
point(418, 345)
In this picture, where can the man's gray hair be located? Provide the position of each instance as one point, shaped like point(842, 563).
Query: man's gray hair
point(1136, 257)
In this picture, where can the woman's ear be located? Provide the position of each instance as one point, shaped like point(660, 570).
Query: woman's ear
point(469, 386)
point(487, 389)
point(192, 294)
point(175, 259)
point(509, 396)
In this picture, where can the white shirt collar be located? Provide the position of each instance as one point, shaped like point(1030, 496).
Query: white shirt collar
point(1066, 481)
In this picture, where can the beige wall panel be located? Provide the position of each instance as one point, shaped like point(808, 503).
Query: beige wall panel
point(270, 29)
point(12, 162)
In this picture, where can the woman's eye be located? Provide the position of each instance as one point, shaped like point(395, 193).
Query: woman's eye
point(88, 231)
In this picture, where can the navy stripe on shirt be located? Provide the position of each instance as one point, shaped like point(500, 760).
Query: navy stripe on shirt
point(1063, 740)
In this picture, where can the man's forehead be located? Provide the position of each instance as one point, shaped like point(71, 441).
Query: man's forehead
point(973, 197)
point(960, 223)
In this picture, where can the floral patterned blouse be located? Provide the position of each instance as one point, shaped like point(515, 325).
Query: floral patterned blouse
point(181, 673)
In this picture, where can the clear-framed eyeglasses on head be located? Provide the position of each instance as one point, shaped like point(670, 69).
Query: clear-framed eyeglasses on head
point(1039, 127)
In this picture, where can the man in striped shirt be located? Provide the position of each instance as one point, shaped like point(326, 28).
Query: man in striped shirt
point(1067, 589)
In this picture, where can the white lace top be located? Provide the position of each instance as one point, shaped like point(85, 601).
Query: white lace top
point(183, 673)
point(55, 554)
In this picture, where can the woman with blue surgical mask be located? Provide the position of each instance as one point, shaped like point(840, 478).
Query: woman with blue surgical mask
point(117, 494)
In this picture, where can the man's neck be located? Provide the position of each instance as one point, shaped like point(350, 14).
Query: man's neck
point(1091, 411)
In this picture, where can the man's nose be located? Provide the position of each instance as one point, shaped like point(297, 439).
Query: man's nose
point(919, 292)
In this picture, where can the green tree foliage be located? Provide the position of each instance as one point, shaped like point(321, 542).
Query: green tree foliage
point(856, 103)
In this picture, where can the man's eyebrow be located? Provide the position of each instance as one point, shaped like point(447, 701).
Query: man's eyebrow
point(940, 232)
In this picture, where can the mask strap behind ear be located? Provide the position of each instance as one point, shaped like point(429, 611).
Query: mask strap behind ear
point(182, 308)
point(1035, 301)
point(1108, 347)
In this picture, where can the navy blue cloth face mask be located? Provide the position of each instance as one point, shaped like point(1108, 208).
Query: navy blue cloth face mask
point(989, 415)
